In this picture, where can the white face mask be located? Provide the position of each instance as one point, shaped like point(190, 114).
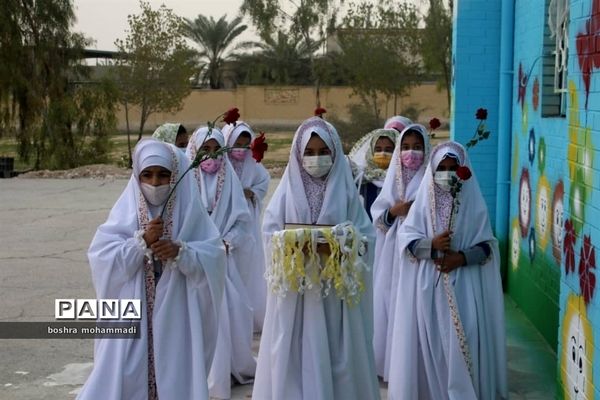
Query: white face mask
point(444, 179)
point(155, 195)
point(317, 166)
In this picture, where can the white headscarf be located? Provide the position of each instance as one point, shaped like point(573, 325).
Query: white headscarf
point(397, 122)
point(187, 297)
point(248, 170)
point(254, 176)
point(223, 193)
point(400, 184)
point(427, 340)
point(300, 321)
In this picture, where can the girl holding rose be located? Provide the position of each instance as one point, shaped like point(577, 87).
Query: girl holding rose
point(180, 301)
point(254, 178)
point(448, 338)
point(223, 197)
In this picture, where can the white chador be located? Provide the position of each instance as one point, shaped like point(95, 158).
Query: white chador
point(255, 177)
point(401, 184)
point(185, 300)
point(314, 346)
point(222, 195)
point(449, 339)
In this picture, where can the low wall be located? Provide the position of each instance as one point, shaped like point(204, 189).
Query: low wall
point(285, 107)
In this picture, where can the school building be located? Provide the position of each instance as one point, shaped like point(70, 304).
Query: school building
point(533, 64)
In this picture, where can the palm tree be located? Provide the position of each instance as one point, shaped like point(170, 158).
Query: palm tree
point(281, 59)
point(214, 39)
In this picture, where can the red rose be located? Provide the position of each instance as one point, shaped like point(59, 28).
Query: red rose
point(464, 173)
point(258, 147)
point(231, 116)
point(434, 123)
point(320, 111)
point(481, 114)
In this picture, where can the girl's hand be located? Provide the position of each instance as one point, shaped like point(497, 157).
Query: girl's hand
point(451, 261)
point(442, 241)
point(249, 194)
point(165, 250)
point(153, 231)
point(400, 209)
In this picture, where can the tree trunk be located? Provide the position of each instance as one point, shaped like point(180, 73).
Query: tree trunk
point(130, 160)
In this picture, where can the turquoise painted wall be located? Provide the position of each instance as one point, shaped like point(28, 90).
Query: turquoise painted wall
point(554, 202)
point(476, 60)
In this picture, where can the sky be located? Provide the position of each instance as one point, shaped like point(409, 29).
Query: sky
point(106, 20)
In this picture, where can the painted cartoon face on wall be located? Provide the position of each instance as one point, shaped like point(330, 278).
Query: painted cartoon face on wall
point(543, 215)
point(576, 354)
point(515, 244)
point(524, 202)
point(557, 221)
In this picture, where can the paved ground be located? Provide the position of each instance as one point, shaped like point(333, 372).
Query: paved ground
point(46, 226)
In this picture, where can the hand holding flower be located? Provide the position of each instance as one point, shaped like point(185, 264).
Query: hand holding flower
point(400, 209)
point(450, 261)
point(153, 231)
point(165, 250)
point(441, 242)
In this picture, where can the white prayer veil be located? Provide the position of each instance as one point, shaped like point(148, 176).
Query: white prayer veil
point(303, 353)
point(255, 177)
point(187, 295)
point(449, 339)
point(400, 184)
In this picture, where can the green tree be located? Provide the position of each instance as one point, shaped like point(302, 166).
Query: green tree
point(379, 48)
point(436, 43)
point(155, 65)
point(281, 59)
point(41, 102)
point(214, 38)
point(310, 20)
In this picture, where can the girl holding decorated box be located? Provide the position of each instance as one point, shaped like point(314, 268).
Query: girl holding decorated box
point(317, 336)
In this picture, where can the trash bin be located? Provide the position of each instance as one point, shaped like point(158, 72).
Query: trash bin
point(7, 165)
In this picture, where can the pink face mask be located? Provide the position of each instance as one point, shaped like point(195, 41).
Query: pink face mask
point(238, 154)
point(211, 165)
point(412, 159)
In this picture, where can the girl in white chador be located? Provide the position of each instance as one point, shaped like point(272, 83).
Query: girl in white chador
point(223, 197)
point(255, 182)
point(180, 298)
point(405, 173)
point(448, 336)
point(315, 344)
point(371, 156)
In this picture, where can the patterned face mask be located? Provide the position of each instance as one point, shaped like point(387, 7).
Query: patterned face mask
point(211, 165)
point(412, 159)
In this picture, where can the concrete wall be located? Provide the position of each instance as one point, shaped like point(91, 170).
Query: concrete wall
point(286, 106)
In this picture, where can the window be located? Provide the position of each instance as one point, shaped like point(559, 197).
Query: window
point(555, 57)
